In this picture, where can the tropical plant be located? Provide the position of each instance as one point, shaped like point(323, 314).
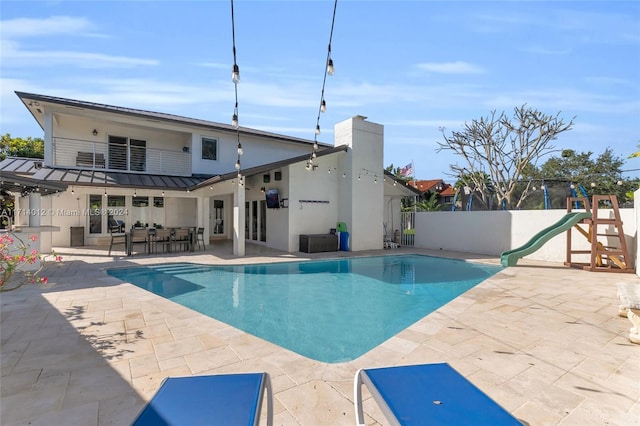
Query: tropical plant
point(19, 263)
point(19, 147)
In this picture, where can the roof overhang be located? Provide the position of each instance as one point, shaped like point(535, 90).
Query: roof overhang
point(267, 167)
point(18, 182)
point(37, 105)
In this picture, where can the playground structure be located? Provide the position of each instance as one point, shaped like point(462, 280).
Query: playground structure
point(611, 256)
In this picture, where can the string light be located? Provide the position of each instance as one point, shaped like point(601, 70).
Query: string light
point(235, 77)
point(329, 69)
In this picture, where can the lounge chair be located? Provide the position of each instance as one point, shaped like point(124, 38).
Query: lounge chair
point(433, 394)
point(227, 399)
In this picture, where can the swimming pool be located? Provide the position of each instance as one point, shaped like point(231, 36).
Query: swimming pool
point(327, 310)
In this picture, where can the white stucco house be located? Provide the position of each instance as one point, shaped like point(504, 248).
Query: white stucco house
point(152, 169)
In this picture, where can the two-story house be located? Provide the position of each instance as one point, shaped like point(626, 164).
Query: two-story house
point(106, 163)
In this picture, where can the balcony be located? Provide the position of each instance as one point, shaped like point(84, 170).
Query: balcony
point(126, 156)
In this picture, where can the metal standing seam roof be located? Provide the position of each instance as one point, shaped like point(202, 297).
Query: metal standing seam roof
point(17, 175)
point(29, 172)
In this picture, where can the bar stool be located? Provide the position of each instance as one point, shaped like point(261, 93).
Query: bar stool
point(200, 237)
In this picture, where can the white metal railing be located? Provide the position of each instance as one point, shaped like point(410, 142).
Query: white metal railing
point(82, 154)
point(408, 226)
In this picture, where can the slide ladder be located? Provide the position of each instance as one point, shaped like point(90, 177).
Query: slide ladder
point(612, 256)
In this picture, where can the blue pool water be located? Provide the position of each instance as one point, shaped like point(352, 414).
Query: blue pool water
point(328, 310)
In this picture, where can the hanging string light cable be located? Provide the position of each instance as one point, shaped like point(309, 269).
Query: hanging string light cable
point(328, 70)
point(235, 77)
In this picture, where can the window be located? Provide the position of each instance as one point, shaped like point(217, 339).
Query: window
point(95, 214)
point(127, 154)
point(209, 149)
point(117, 153)
point(138, 149)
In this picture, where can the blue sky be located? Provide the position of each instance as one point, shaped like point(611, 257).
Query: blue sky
point(411, 66)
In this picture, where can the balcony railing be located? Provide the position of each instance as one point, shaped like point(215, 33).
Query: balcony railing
point(81, 154)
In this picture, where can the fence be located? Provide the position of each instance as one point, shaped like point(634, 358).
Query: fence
point(408, 229)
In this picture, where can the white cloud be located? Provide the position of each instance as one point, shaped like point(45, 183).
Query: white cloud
point(14, 57)
point(457, 67)
point(31, 27)
point(14, 54)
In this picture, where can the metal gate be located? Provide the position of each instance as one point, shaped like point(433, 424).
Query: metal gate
point(408, 229)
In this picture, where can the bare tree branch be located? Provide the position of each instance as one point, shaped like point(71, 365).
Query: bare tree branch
point(501, 148)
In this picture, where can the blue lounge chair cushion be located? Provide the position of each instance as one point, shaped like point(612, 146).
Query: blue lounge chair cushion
point(232, 399)
point(433, 394)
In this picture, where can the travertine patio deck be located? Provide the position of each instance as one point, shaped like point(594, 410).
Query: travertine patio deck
point(544, 341)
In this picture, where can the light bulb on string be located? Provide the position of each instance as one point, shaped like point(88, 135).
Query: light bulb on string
point(323, 106)
point(315, 145)
point(240, 151)
point(234, 120)
point(318, 129)
point(619, 183)
point(237, 165)
point(330, 69)
point(593, 184)
point(344, 175)
point(235, 75)
point(313, 154)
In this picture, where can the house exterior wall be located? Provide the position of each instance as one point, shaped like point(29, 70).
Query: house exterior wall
point(257, 151)
point(278, 219)
point(361, 201)
point(493, 232)
point(313, 198)
point(171, 149)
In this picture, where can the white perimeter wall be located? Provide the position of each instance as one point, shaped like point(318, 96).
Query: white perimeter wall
point(491, 233)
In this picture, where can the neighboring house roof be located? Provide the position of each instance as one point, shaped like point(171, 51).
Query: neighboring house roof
point(32, 100)
point(449, 191)
point(430, 185)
